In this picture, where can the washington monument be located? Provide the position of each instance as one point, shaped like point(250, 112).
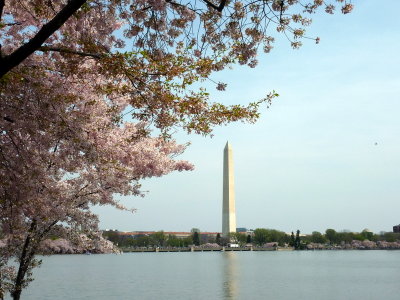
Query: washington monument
point(228, 206)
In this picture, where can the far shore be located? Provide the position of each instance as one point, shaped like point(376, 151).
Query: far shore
point(246, 248)
point(222, 249)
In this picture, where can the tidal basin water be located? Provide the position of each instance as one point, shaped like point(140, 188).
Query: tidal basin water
point(352, 274)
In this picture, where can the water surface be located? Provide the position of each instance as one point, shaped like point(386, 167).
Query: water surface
point(352, 274)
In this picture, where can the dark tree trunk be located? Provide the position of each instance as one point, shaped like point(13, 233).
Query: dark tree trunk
point(24, 261)
point(14, 59)
point(23, 267)
point(27, 255)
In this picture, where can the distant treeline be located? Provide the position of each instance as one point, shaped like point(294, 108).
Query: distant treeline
point(333, 237)
point(157, 239)
point(258, 237)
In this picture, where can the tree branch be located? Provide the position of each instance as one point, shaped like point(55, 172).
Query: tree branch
point(2, 3)
point(218, 8)
point(168, 1)
point(18, 56)
point(12, 24)
point(7, 118)
point(69, 51)
point(175, 3)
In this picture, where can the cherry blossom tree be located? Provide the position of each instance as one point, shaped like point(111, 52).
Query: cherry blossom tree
point(61, 152)
point(231, 30)
point(73, 72)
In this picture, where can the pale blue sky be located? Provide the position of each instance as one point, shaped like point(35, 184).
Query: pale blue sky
point(311, 161)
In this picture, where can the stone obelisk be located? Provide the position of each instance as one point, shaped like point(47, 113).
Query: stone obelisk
point(228, 206)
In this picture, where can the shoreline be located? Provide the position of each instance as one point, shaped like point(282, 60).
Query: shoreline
point(239, 249)
point(215, 250)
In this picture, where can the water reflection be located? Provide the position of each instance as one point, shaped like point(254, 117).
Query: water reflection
point(230, 275)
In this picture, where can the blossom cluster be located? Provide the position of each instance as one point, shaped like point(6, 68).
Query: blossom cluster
point(86, 245)
point(356, 244)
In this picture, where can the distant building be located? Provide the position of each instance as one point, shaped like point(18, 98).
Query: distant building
point(396, 228)
point(180, 235)
point(245, 231)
